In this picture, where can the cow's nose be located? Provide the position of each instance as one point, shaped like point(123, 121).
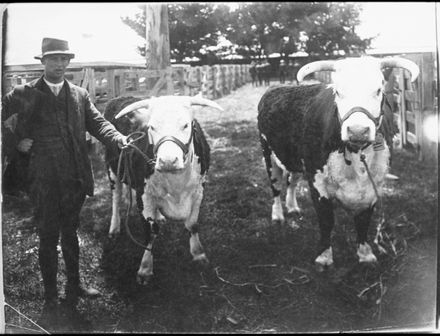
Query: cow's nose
point(168, 163)
point(358, 133)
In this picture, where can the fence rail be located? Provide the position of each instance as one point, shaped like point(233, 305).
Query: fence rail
point(106, 83)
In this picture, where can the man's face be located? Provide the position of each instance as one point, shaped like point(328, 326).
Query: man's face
point(55, 67)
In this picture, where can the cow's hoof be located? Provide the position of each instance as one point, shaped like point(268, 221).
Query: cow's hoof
point(114, 235)
point(294, 225)
point(294, 212)
point(201, 260)
point(277, 221)
point(144, 280)
point(322, 268)
point(324, 260)
point(365, 254)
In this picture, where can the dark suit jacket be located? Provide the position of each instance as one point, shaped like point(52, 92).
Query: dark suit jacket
point(26, 100)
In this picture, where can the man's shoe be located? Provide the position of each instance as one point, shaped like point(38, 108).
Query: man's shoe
point(88, 292)
point(73, 293)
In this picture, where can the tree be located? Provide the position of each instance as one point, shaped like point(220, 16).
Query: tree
point(322, 29)
point(274, 26)
point(332, 32)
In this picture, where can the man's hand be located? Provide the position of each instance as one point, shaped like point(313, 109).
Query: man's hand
point(122, 142)
point(25, 145)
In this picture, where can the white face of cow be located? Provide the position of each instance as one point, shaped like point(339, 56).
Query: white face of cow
point(358, 85)
point(170, 121)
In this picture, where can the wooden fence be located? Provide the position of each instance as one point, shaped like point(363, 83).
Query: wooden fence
point(105, 81)
point(418, 102)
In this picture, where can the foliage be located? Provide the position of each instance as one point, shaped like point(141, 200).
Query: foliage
point(333, 30)
point(319, 28)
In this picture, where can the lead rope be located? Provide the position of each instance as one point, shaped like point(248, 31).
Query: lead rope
point(125, 156)
point(379, 237)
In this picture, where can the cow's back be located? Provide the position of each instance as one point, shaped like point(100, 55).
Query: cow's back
point(280, 120)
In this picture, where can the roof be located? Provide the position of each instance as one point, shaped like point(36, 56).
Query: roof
point(400, 50)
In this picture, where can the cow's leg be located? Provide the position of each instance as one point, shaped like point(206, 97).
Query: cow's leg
point(191, 225)
point(291, 202)
point(145, 271)
point(324, 211)
point(275, 174)
point(116, 188)
point(276, 180)
point(362, 222)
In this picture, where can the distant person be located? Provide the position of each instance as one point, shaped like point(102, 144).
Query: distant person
point(292, 69)
point(266, 72)
point(52, 117)
point(282, 71)
point(253, 72)
point(260, 72)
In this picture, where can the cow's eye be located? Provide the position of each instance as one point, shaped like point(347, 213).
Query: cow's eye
point(379, 91)
point(185, 127)
point(338, 94)
point(152, 129)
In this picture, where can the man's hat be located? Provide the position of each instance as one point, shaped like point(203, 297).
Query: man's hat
point(51, 46)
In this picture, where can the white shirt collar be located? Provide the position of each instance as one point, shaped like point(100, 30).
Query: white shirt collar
point(55, 87)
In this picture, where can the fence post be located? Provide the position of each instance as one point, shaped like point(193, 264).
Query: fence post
point(207, 82)
point(427, 86)
point(218, 81)
point(157, 51)
point(402, 108)
point(2, 295)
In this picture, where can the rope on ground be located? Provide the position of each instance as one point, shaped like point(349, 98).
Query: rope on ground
point(300, 281)
point(27, 318)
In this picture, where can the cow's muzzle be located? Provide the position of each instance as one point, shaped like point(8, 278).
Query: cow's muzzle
point(360, 133)
point(171, 164)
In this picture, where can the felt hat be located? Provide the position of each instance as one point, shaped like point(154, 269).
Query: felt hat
point(52, 46)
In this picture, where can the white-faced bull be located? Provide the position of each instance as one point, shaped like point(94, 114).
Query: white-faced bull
point(337, 135)
point(167, 167)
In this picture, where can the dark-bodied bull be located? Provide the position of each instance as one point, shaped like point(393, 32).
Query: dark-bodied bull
point(324, 131)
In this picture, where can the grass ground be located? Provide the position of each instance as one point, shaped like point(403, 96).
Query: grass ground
point(262, 278)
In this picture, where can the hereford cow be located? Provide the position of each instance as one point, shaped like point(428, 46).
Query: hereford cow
point(324, 131)
point(166, 169)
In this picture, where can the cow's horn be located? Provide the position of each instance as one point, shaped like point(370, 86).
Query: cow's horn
point(399, 62)
point(314, 67)
point(199, 100)
point(137, 105)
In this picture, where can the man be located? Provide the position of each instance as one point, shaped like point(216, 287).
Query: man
point(253, 72)
point(53, 116)
point(282, 71)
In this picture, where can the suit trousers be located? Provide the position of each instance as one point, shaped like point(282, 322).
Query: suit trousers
point(57, 207)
